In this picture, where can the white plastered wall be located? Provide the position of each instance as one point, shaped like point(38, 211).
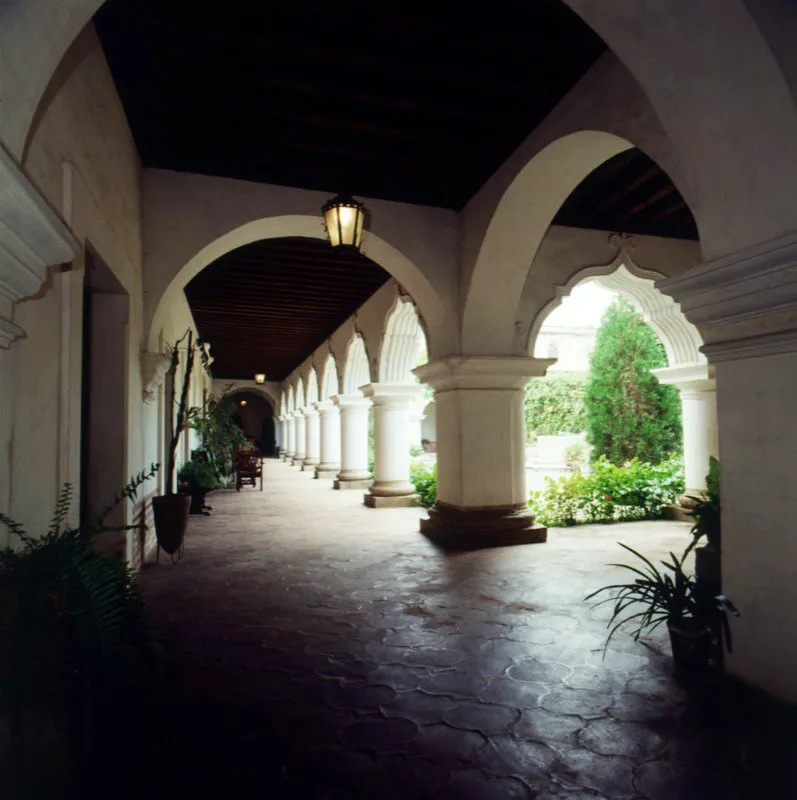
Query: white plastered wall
point(82, 158)
point(193, 219)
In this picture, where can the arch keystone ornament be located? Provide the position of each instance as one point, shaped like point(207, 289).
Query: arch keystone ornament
point(482, 500)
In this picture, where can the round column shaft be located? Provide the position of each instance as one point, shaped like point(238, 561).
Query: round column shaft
point(329, 458)
point(393, 404)
point(301, 438)
point(291, 439)
point(354, 472)
point(313, 438)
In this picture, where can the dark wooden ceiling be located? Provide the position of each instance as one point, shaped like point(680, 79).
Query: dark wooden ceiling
point(412, 102)
point(267, 306)
point(629, 193)
point(415, 102)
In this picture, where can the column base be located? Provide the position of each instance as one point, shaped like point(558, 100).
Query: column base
point(474, 528)
point(297, 461)
point(309, 464)
point(392, 501)
point(326, 473)
point(355, 484)
point(392, 489)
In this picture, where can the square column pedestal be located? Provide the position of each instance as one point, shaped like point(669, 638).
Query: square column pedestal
point(393, 404)
point(482, 500)
point(354, 472)
point(312, 439)
point(329, 419)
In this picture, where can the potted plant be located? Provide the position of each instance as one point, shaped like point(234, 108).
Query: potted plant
point(697, 620)
point(706, 512)
point(77, 657)
point(221, 437)
point(196, 478)
point(170, 510)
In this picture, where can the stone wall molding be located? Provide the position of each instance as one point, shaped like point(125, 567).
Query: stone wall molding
point(32, 239)
point(154, 367)
point(744, 303)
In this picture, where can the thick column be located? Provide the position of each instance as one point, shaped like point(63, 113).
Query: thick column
point(290, 422)
point(329, 418)
point(482, 499)
point(393, 403)
point(313, 438)
point(277, 434)
point(699, 415)
point(745, 305)
point(301, 438)
point(353, 442)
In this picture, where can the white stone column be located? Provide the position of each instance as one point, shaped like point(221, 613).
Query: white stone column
point(416, 418)
point(290, 421)
point(353, 442)
point(313, 438)
point(329, 418)
point(745, 305)
point(482, 499)
point(301, 438)
point(697, 387)
point(283, 429)
point(277, 433)
point(393, 404)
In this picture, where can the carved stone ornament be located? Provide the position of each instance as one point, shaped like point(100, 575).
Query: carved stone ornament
point(32, 239)
point(154, 367)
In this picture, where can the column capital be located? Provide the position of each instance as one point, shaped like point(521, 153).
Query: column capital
point(688, 377)
point(382, 394)
point(482, 372)
point(308, 411)
point(745, 304)
point(324, 405)
point(351, 401)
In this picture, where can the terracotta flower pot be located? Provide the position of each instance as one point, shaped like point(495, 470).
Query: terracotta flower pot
point(171, 520)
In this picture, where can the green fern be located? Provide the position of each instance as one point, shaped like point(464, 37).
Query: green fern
point(74, 636)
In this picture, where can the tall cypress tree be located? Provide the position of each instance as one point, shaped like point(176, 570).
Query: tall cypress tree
point(629, 413)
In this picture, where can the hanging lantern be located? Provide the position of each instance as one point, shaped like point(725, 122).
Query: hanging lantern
point(260, 377)
point(343, 219)
point(243, 403)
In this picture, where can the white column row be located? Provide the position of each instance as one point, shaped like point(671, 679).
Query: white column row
point(331, 437)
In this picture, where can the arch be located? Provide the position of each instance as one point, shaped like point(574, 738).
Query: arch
point(330, 382)
point(258, 391)
point(312, 387)
point(516, 231)
point(355, 372)
point(681, 339)
point(300, 404)
point(434, 310)
point(291, 400)
point(401, 344)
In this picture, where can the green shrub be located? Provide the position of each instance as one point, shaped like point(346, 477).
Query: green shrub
point(629, 414)
point(424, 478)
point(555, 404)
point(610, 493)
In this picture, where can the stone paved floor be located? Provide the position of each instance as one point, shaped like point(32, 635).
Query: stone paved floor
point(320, 649)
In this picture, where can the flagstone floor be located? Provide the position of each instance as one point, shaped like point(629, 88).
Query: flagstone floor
point(321, 649)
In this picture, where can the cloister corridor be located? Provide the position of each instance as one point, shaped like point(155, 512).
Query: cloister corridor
point(321, 649)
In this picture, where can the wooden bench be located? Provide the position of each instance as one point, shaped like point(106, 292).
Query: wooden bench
point(248, 468)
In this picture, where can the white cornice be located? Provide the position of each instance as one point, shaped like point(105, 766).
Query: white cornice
point(32, 239)
point(739, 287)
